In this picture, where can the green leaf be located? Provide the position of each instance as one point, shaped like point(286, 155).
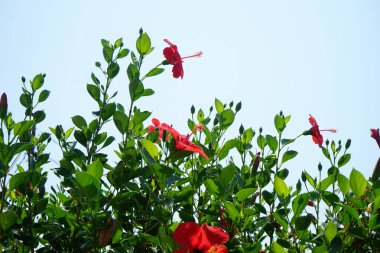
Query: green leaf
point(325, 183)
point(282, 220)
point(261, 141)
point(79, 122)
point(230, 144)
point(227, 174)
point(244, 193)
point(7, 219)
point(133, 72)
point(80, 137)
point(23, 126)
point(140, 117)
point(299, 204)
point(121, 121)
point(154, 72)
point(108, 110)
point(226, 118)
point(100, 138)
point(231, 210)
point(352, 212)
point(143, 44)
point(43, 96)
point(26, 100)
point(272, 142)
point(276, 248)
point(151, 148)
point(320, 249)
point(17, 180)
point(95, 169)
point(95, 79)
point(94, 92)
point(330, 231)
point(279, 123)
point(219, 105)
point(107, 53)
point(344, 184)
point(148, 92)
point(309, 179)
point(326, 153)
point(344, 159)
point(247, 136)
point(108, 141)
point(290, 154)
point(212, 187)
point(268, 197)
point(358, 182)
point(112, 70)
point(280, 187)
point(136, 89)
point(37, 82)
point(303, 222)
point(39, 116)
point(89, 185)
point(123, 53)
point(40, 206)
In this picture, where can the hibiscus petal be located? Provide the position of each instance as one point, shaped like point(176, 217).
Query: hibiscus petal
point(178, 70)
point(211, 236)
point(187, 235)
point(312, 120)
point(156, 122)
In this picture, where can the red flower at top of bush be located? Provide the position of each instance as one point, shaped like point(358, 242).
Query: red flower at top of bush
point(375, 134)
point(172, 55)
point(205, 239)
point(315, 132)
point(182, 142)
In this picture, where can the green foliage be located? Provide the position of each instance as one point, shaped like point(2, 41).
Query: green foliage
point(133, 201)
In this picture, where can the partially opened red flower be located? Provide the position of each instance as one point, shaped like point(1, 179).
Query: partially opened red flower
point(172, 55)
point(205, 239)
point(182, 142)
point(376, 135)
point(315, 132)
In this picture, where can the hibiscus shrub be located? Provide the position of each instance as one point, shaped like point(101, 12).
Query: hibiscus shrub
point(163, 191)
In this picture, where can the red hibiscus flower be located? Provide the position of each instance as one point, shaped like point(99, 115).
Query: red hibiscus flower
point(375, 134)
point(182, 142)
point(315, 132)
point(172, 55)
point(205, 239)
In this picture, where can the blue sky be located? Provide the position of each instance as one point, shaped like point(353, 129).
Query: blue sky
point(301, 57)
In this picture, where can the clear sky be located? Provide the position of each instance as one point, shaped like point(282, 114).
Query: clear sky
point(319, 57)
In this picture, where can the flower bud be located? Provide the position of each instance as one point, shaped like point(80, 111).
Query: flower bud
point(241, 129)
point(3, 106)
point(348, 143)
point(319, 166)
point(192, 109)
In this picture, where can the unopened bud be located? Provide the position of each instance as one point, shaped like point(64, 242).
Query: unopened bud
point(319, 166)
point(303, 177)
point(238, 107)
point(256, 164)
point(348, 143)
point(327, 142)
point(241, 129)
point(3, 106)
point(192, 109)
